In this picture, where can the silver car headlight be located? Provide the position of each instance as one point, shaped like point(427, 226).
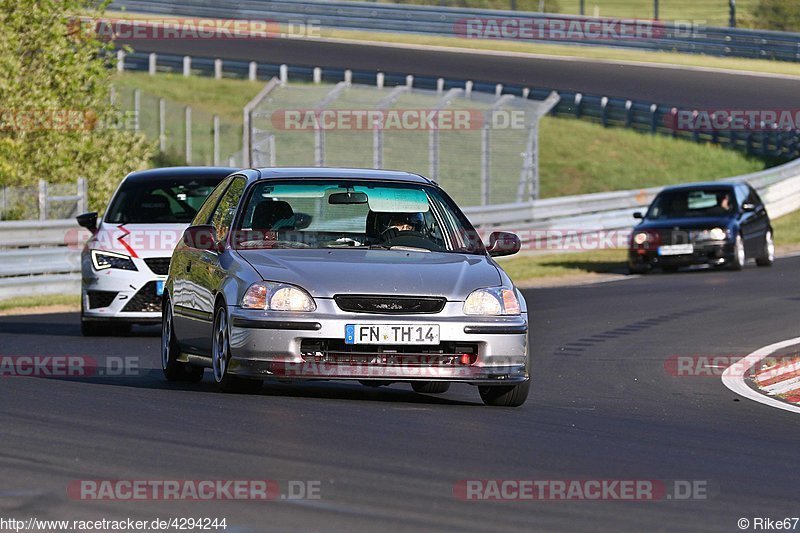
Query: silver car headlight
point(277, 297)
point(496, 301)
point(102, 260)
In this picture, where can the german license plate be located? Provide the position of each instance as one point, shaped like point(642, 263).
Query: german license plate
point(391, 334)
point(159, 287)
point(676, 249)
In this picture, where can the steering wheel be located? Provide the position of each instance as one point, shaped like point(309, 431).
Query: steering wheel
point(392, 233)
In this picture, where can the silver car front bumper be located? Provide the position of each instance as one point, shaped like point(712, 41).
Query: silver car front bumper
point(270, 344)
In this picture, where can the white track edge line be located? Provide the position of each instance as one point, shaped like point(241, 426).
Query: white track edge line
point(733, 377)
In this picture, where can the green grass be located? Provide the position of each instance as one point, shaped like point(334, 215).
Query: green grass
point(787, 229)
point(527, 267)
point(41, 301)
point(576, 156)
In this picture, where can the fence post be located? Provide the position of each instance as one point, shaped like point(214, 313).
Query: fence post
point(252, 71)
point(604, 111)
point(526, 92)
point(187, 66)
point(498, 89)
point(120, 61)
point(188, 130)
point(216, 140)
point(83, 201)
point(284, 73)
point(137, 102)
point(162, 125)
point(217, 69)
point(151, 63)
point(732, 5)
point(5, 202)
point(348, 76)
point(578, 101)
point(582, 7)
point(628, 113)
point(655, 9)
point(317, 75)
point(653, 119)
point(272, 155)
point(379, 80)
point(468, 89)
point(439, 86)
point(319, 146)
point(42, 199)
point(409, 81)
point(485, 163)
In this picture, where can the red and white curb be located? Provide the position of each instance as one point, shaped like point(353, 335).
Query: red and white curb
point(783, 379)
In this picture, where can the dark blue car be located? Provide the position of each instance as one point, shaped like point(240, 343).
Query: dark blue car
point(716, 224)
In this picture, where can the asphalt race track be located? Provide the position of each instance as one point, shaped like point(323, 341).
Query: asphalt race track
point(602, 407)
point(681, 87)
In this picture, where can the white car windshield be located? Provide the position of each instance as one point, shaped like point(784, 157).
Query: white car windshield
point(160, 201)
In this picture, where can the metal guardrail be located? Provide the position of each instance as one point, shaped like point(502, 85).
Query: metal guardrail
point(449, 21)
point(53, 264)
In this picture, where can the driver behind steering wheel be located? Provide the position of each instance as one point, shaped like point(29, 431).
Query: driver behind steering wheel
point(398, 223)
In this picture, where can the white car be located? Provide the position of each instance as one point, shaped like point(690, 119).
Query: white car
point(126, 260)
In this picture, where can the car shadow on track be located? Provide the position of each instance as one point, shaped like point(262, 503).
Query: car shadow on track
point(34, 325)
point(325, 390)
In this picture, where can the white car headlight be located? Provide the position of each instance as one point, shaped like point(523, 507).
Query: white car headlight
point(102, 260)
point(277, 297)
point(492, 302)
point(640, 238)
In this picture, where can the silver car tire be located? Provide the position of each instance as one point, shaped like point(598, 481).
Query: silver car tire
point(221, 356)
point(173, 369)
point(505, 395)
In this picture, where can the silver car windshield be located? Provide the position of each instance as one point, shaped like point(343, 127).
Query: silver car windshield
point(351, 215)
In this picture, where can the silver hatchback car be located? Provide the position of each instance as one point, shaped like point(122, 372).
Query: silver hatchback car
point(367, 275)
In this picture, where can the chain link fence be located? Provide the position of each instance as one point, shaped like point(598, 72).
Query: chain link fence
point(482, 148)
point(185, 134)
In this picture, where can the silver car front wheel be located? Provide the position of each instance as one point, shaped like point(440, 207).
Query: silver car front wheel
point(220, 359)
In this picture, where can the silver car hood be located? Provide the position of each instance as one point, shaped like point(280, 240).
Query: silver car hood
point(325, 273)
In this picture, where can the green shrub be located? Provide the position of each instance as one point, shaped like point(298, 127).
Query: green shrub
point(51, 68)
point(783, 15)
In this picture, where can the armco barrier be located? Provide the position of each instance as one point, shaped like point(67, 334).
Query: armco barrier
point(645, 117)
point(447, 21)
point(43, 257)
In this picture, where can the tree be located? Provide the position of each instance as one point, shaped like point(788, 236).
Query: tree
point(783, 15)
point(56, 120)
